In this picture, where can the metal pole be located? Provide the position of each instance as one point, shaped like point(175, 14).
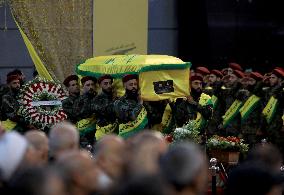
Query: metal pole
point(214, 169)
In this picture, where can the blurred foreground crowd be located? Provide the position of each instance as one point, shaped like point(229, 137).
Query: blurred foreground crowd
point(33, 164)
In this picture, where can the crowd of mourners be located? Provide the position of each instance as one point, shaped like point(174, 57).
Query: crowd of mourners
point(49, 161)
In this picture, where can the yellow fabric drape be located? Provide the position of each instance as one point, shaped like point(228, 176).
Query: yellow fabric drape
point(59, 30)
point(42, 71)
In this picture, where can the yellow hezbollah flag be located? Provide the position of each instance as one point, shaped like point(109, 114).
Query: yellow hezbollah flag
point(120, 27)
point(160, 76)
point(41, 69)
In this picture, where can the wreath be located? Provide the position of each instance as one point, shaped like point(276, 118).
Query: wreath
point(41, 103)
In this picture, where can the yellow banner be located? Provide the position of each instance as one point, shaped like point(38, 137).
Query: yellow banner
point(42, 71)
point(120, 27)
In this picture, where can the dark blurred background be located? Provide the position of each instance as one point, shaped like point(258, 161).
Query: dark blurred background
point(214, 32)
point(205, 32)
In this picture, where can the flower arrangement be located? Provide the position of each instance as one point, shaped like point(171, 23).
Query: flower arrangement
point(40, 101)
point(187, 132)
point(231, 144)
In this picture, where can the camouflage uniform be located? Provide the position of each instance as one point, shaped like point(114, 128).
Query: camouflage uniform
point(155, 111)
point(218, 111)
point(102, 106)
point(252, 124)
point(3, 91)
point(275, 128)
point(229, 95)
point(72, 107)
point(85, 101)
point(10, 107)
point(126, 109)
point(184, 111)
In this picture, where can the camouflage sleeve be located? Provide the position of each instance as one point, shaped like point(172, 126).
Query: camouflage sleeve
point(134, 112)
point(120, 110)
point(72, 109)
point(9, 108)
point(102, 107)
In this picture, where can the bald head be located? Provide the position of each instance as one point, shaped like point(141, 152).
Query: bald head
point(39, 141)
point(109, 153)
point(63, 137)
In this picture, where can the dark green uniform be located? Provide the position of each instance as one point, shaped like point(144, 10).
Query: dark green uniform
point(72, 107)
point(184, 111)
point(10, 107)
point(102, 106)
point(252, 124)
point(219, 109)
point(126, 109)
point(275, 127)
point(155, 111)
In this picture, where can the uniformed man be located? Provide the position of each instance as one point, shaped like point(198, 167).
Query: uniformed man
point(128, 106)
point(88, 96)
point(273, 123)
point(87, 123)
point(251, 110)
point(103, 103)
point(10, 105)
point(214, 90)
point(129, 109)
point(71, 105)
point(103, 107)
point(187, 109)
point(233, 96)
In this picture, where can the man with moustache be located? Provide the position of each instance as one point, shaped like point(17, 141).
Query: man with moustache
point(87, 124)
point(10, 105)
point(71, 105)
point(128, 107)
point(187, 109)
point(103, 107)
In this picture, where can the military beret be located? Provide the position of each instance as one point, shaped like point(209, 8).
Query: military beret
point(87, 78)
point(235, 66)
point(202, 70)
point(256, 75)
point(129, 77)
point(106, 76)
point(70, 78)
point(196, 77)
point(12, 78)
point(218, 73)
point(239, 74)
point(278, 72)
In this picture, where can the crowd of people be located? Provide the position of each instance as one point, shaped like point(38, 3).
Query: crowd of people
point(247, 105)
point(145, 163)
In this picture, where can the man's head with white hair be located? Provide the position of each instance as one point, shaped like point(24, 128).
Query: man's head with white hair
point(15, 154)
point(63, 137)
point(184, 166)
point(39, 141)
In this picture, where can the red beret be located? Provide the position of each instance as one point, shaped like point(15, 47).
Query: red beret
point(235, 66)
point(278, 72)
point(202, 70)
point(106, 76)
point(129, 77)
point(256, 75)
point(239, 74)
point(218, 73)
point(87, 78)
point(12, 78)
point(70, 78)
point(196, 77)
